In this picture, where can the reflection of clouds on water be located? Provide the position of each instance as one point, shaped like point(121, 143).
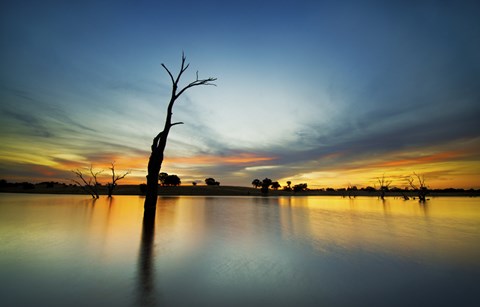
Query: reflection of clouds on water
point(239, 251)
point(391, 227)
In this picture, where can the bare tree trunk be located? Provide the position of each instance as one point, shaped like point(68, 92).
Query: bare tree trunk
point(154, 166)
point(160, 141)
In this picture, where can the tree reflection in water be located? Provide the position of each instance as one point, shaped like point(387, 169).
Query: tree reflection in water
point(146, 268)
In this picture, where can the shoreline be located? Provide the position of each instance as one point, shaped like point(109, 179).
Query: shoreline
point(203, 190)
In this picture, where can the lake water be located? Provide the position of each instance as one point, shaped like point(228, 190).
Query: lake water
point(58, 250)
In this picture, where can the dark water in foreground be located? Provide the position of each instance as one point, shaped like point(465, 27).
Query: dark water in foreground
point(239, 251)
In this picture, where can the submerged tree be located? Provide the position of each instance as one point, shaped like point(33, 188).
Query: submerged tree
point(384, 184)
point(420, 188)
point(112, 185)
point(88, 183)
point(160, 141)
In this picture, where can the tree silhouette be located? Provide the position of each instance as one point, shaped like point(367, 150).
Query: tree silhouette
point(162, 177)
point(172, 180)
point(275, 185)
point(266, 183)
point(211, 181)
point(88, 183)
point(421, 188)
point(160, 141)
point(111, 185)
point(300, 187)
point(256, 183)
point(384, 184)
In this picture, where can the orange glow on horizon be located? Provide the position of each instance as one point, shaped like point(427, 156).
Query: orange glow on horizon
point(458, 168)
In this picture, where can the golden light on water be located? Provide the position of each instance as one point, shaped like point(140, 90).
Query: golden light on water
point(355, 223)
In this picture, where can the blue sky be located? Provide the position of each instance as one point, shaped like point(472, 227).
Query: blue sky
point(327, 92)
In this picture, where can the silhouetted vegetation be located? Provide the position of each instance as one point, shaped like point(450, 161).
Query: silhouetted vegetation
point(383, 185)
point(300, 187)
point(169, 180)
point(211, 181)
point(420, 187)
point(256, 183)
point(265, 185)
point(62, 188)
point(88, 182)
point(275, 185)
point(368, 189)
point(111, 185)
point(160, 141)
point(172, 180)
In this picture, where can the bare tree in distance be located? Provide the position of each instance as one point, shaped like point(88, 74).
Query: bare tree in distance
point(111, 185)
point(384, 184)
point(160, 141)
point(421, 188)
point(88, 182)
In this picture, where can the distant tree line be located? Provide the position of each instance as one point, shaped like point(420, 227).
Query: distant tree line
point(30, 186)
point(268, 183)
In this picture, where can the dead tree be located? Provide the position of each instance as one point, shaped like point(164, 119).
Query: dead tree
point(384, 184)
point(421, 188)
point(160, 141)
point(88, 183)
point(111, 185)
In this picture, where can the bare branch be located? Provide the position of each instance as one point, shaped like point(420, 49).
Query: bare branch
point(80, 175)
point(383, 182)
point(411, 183)
point(169, 73)
point(94, 175)
point(111, 185)
point(177, 123)
point(122, 176)
point(196, 83)
point(183, 68)
point(85, 184)
point(421, 180)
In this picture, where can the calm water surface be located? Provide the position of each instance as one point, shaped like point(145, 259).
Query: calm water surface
point(238, 251)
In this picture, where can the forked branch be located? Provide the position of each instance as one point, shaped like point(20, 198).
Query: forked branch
point(421, 188)
point(88, 184)
point(111, 185)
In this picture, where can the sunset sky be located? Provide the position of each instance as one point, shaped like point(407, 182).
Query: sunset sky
point(330, 93)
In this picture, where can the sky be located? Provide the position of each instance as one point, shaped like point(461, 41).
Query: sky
point(331, 93)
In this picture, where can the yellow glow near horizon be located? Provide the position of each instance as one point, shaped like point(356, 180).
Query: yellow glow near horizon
point(458, 167)
point(439, 174)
